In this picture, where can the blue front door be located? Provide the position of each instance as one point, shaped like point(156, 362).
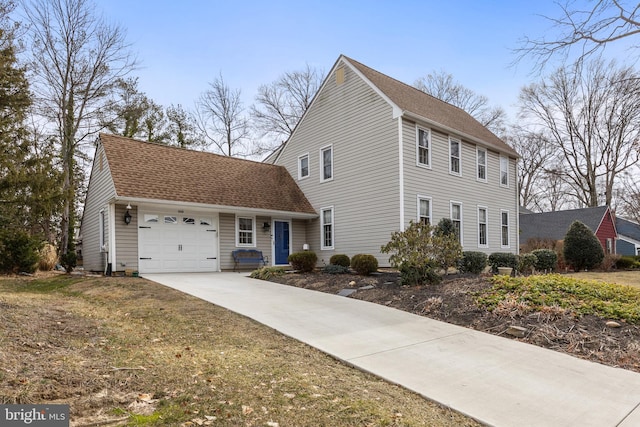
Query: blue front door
point(281, 244)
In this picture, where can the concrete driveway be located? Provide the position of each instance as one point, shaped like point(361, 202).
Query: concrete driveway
point(498, 381)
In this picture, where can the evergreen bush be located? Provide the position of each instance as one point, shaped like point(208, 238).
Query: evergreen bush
point(304, 261)
point(582, 249)
point(335, 269)
point(412, 275)
point(364, 264)
point(526, 263)
point(19, 251)
point(340, 259)
point(502, 259)
point(547, 260)
point(472, 262)
point(69, 260)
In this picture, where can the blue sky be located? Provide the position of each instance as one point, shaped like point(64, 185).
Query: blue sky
point(184, 45)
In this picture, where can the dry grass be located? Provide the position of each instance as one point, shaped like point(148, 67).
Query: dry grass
point(136, 353)
point(630, 278)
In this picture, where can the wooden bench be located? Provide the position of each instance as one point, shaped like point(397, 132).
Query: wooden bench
point(248, 256)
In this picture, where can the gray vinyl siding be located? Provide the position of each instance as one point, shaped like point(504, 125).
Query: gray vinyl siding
point(299, 235)
point(227, 238)
point(364, 191)
point(126, 240)
point(100, 191)
point(443, 188)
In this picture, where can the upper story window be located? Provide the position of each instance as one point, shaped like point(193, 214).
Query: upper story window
point(424, 210)
point(504, 171)
point(481, 160)
point(326, 163)
point(454, 156)
point(456, 217)
point(303, 166)
point(504, 226)
point(245, 231)
point(482, 227)
point(326, 228)
point(423, 147)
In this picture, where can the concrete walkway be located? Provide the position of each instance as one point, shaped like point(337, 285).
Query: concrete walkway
point(498, 381)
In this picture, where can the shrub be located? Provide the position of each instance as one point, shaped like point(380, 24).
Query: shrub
point(413, 275)
point(69, 260)
point(267, 273)
point(445, 227)
point(472, 262)
point(627, 262)
point(526, 263)
point(340, 259)
point(582, 249)
point(335, 269)
point(502, 259)
point(48, 257)
point(19, 252)
point(364, 264)
point(609, 261)
point(546, 260)
point(538, 243)
point(304, 261)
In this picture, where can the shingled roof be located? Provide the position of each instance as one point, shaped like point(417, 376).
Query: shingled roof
point(554, 225)
point(628, 228)
point(411, 100)
point(145, 170)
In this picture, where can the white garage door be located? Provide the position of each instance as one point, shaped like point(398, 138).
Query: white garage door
point(173, 243)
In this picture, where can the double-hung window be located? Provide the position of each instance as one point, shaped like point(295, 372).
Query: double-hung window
point(504, 226)
point(454, 156)
point(482, 227)
point(326, 163)
point(481, 160)
point(303, 166)
point(504, 171)
point(245, 231)
point(424, 210)
point(456, 218)
point(423, 147)
point(326, 228)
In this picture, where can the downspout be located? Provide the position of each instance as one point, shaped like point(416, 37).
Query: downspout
point(401, 171)
point(112, 238)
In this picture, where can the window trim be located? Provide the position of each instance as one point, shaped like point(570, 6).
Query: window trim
point(451, 204)
point(322, 150)
point(459, 142)
point(502, 225)
point(253, 231)
point(300, 157)
point(420, 198)
point(418, 146)
point(505, 171)
point(333, 228)
point(486, 154)
point(486, 224)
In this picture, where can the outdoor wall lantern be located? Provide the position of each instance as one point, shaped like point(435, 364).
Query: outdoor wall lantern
point(266, 226)
point(127, 215)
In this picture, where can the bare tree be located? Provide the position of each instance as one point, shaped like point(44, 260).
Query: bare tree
point(282, 103)
point(629, 196)
point(587, 31)
point(441, 85)
point(77, 60)
point(592, 114)
point(221, 119)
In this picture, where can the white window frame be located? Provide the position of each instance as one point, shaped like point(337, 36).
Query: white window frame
point(486, 227)
point(102, 230)
point(322, 151)
point(426, 165)
point(451, 204)
point(253, 231)
point(303, 156)
point(478, 164)
point(419, 200)
point(333, 228)
point(504, 170)
point(451, 157)
point(502, 229)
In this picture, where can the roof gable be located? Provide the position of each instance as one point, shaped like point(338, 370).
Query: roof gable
point(145, 170)
point(554, 225)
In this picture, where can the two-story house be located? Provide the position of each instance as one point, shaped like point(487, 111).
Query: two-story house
point(372, 153)
point(369, 155)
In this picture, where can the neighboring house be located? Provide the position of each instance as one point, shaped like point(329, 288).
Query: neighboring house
point(369, 155)
point(372, 153)
point(554, 225)
point(628, 242)
point(188, 210)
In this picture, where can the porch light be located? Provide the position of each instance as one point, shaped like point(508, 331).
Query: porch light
point(266, 226)
point(127, 216)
